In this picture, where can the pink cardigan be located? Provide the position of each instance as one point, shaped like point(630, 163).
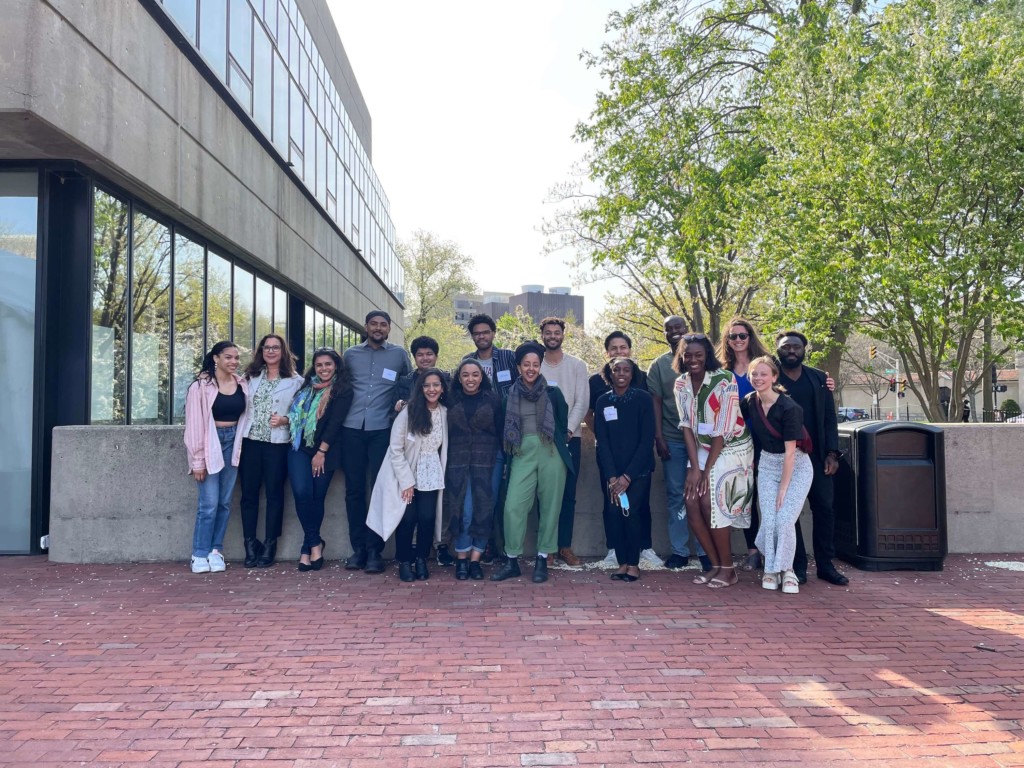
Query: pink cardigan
point(201, 443)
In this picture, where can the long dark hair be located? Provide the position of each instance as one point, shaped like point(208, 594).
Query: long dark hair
point(208, 370)
point(711, 361)
point(754, 346)
point(456, 392)
point(342, 375)
point(258, 364)
point(419, 414)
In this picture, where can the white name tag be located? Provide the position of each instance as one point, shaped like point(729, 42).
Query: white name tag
point(705, 429)
point(389, 375)
point(504, 376)
point(552, 383)
point(611, 413)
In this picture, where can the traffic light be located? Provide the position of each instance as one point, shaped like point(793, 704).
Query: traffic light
point(892, 385)
point(872, 352)
point(903, 385)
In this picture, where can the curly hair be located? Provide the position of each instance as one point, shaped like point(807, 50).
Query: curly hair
point(419, 413)
point(711, 361)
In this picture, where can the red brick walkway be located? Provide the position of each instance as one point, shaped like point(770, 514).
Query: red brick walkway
point(118, 665)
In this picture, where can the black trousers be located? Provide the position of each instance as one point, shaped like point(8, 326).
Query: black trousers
point(820, 498)
point(419, 519)
point(262, 464)
point(567, 514)
point(628, 531)
point(362, 454)
point(643, 512)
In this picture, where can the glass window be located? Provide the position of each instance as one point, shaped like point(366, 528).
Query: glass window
point(218, 299)
point(318, 328)
point(309, 149)
point(109, 308)
point(262, 79)
point(184, 14)
point(213, 34)
point(18, 226)
point(264, 308)
point(321, 170)
point(151, 321)
point(240, 87)
point(281, 82)
point(241, 35)
point(339, 336)
point(310, 339)
point(242, 313)
point(296, 111)
point(280, 312)
point(188, 319)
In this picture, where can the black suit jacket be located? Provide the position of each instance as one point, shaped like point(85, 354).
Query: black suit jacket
point(826, 432)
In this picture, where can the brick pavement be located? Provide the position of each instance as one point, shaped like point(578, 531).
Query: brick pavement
point(118, 665)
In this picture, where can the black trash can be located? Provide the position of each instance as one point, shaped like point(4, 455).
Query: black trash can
point(890, 496)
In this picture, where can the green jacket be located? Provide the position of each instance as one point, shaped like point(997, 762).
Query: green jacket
point(561, 426)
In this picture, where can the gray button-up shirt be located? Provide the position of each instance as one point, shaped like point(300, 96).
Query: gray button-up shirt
point(375, 373)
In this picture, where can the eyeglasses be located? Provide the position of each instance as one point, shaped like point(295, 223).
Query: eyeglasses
point(477, 334)
point(694, 337)
point(740, 336)
point(275, 348)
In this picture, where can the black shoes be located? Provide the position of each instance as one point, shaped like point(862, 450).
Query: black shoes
point(461, 569)
point(509, 570)
point(319, 562)
point(405, 572)
point(677, 561)
point(831, 575)
point(540, 570)
point(253, 550)
point(488, 554)
point(475, 571)
point(705, 563)
point(374, 562)
point(420, 567)
point(266, 558)
point(444, 557)
point(356, 562)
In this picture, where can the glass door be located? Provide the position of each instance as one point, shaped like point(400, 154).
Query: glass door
point(18, 223)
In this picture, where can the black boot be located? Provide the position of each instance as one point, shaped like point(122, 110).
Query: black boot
point(421, 569)
point(266, 558)
point(461, 569)
point(540, 570)
point(405, 572)
point(374, 562)
point(475, 571)
point(509, 570)
point(253, 550)
point(444, 557)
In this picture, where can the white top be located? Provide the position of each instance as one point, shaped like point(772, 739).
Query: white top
point(429, 472)
point(572, 378)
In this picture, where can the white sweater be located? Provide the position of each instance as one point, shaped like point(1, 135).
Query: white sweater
point(570, 376)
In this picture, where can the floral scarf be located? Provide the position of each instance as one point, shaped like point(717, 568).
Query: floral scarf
point(307, 409)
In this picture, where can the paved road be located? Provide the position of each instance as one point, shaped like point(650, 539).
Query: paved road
point(117, 665)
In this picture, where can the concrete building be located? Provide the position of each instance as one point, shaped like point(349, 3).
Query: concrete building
point(172, 173)
point(538, 304)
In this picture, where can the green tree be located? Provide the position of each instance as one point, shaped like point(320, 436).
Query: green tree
point(436, 271)
point(452, 338)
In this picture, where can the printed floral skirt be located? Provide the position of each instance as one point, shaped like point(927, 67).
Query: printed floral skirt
point(732, 485)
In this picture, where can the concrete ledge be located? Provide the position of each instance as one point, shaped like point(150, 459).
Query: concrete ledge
point(122, 494)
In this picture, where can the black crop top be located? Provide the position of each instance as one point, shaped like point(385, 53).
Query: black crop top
point(786, 416)
point(229, 407)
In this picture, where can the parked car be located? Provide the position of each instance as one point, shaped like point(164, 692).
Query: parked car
point(852, 414)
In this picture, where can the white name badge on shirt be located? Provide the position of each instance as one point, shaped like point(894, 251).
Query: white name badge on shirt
point(705, 429)
point(552, 383)
point(611, 413)
point(504, 376)
point(389, 374)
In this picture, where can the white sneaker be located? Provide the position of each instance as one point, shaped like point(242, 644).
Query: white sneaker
point(610, 560)
point(652, 558)
point(217, 564)
point(200, 564)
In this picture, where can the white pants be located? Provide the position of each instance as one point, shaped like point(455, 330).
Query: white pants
point(776, 538)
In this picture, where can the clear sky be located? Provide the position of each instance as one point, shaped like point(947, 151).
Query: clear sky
point(474, 105)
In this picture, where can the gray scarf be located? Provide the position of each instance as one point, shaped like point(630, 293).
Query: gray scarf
point(514, 412)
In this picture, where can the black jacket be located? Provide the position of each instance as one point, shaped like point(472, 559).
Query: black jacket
point(826, 431)
point(328, 430)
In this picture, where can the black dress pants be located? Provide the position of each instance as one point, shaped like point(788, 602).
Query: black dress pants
point(363, 452)
point(262, 464)
point(419, 519)
point(644, 513)
point(820, 498)
point(627, 531)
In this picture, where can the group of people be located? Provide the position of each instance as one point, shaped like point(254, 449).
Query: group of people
point(459, 461)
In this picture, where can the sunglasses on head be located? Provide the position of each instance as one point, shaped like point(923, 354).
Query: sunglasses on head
point(740, 336)
point(693, 337)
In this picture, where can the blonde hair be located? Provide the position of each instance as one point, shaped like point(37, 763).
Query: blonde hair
point(768, 361)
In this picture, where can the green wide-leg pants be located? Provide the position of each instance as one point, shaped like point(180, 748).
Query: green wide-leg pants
point(537, 471)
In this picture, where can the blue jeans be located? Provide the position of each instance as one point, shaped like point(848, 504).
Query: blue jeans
point(310, 493)
point(215, 500)
point(675, 482)
point(464, 542)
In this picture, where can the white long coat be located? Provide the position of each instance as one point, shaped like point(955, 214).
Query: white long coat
point(399, 471)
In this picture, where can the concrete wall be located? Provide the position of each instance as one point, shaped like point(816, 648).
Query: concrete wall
point(111, 90)
point(122, 494)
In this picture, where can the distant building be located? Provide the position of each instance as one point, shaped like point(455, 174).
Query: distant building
point(537, 303)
